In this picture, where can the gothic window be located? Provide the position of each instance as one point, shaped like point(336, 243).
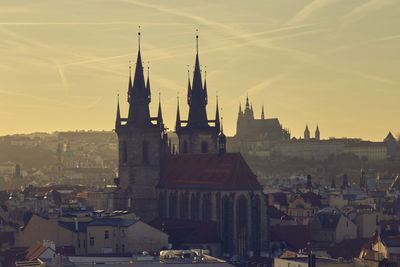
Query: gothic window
point(194, 207)
point(185, 147)
point(124, 152)
point(204, 147)
point(145, 152)
point(183, 205)
point(256, 223)
point(226, 224)
point(206, 207)
point(241, 225)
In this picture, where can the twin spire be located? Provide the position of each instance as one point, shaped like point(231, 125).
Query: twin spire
point(139, 96)
point(197, 99)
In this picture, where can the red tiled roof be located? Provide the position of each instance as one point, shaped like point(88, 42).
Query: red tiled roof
point(226, 171)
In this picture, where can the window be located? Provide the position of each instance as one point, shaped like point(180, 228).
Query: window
point(84, 243)
point(204, 147)
point(123, 249)
point(106, 234)
point(79, 243)
point(145, 152)
point(124, 152)
point(91, 242)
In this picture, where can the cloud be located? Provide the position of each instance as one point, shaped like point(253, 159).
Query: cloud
point(365, 9)
point(308, 10)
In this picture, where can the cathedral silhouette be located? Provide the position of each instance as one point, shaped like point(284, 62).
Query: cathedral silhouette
point(201, 182)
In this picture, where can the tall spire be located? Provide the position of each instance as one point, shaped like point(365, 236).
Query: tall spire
point(189, 89)
point(178, 117)
point(317, 133)
point(118, 119)
point(205, 96)
point(197, 111)
point(130, 91)
point(262, 112)
point(159, 115)
point(217, 122)
point(247, 102)
point(306, 133)
point(138, 97)
point(240, 108)
point(148, 91)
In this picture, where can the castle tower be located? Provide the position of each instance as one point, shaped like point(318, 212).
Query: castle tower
point(306, 133)
point(141, 142)
point(197, 136)
point(317, 134)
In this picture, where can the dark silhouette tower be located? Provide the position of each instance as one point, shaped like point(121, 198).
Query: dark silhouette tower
point(197, 136)
point(317, 134)
point(306, 133)
point(142, 143)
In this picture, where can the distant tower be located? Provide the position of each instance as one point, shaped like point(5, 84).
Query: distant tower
point(317, 134)
point(222, 141)
point(262, 112)
point(363, 181)
point(306, 133)
point(345, 183)
point(142, 141)
point(309, 183)
point(197, 136)
point(333, 185)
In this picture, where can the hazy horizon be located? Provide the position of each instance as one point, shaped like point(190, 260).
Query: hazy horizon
point(334, 63)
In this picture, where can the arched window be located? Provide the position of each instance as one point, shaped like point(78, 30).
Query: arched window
point(185, 147)
point(173, 203)
point(124, 152)
point(204, 147)
point(145, 152)
point(241, 225)
point(194, 207)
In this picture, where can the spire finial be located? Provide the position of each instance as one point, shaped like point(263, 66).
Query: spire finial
point(205, 72)
point(148, 68)
point(139, 36)
point(197, 41)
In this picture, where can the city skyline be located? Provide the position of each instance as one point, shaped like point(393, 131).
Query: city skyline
point(308, 62)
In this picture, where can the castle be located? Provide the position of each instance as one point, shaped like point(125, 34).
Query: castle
point(201, 182)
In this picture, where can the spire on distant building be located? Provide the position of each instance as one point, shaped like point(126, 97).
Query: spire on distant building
point(198, 98)
point(118, 119)
point(189, 89)
point(240, 108)
point(178, 117)
point(222, 140)
point(217, 122)
point(262, 112)
point(148, 91)
point(317, 133)
point(159, 115)
point(139, 113)
point(306, 133)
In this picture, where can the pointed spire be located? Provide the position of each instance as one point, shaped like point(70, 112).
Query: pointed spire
point(197, 41)
point(262, 112)
point(148, 91)
point(306, 133)
point(317, 133)
point(240, 108)
point(247, 102)
point(178, 117)
point(159, 116)
point(222, 139)
point(118, 119)
point(217, 122)
point(139, 36)
point(205, 97)
point(189, 89)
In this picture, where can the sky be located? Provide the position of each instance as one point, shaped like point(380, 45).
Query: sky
point(331, 63)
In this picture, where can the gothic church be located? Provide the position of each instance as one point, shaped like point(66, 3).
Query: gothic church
point(201, 182)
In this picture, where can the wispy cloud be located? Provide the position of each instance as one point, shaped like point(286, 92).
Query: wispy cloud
point(310, 9)
point(365, 9)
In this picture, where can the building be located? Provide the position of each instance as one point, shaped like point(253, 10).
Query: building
point(200, 182)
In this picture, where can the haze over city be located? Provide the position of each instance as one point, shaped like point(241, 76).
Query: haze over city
point(331, 63)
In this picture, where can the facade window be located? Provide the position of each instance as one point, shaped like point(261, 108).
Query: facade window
point(79, 243)
point(84, 243)
point(123, 248)
point(124, 152)
point(106, 234)
point(145, 152)
point(204, 147)
point(91, 242)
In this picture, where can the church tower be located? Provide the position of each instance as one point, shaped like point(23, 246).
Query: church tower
point(196, 135)
point(317, 134)
point(141, 142)
point(306, 133)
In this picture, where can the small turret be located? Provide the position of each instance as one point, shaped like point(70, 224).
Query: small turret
point(317, 134)
point(118, 119)
point(222, 141)
point(178, 118)
point(262, 112)
point(217, 122)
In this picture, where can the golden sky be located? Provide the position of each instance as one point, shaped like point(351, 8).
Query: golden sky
point(334, 63)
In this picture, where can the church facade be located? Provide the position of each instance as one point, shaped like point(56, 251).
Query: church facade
point(201, 182)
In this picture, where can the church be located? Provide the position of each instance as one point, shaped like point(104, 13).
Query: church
point(201, 182)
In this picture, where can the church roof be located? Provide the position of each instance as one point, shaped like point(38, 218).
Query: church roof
point(226, 171)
